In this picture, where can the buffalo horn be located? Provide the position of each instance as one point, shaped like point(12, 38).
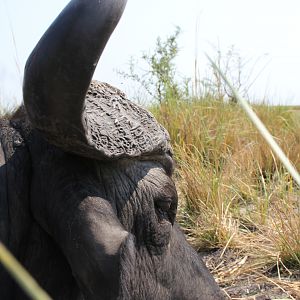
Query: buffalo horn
point(60, 68)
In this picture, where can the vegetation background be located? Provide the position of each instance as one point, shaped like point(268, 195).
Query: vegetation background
point(238, 205)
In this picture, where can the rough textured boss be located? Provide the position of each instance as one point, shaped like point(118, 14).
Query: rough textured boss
point(87, 203)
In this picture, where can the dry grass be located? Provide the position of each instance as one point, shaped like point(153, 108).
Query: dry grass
point(234, 194)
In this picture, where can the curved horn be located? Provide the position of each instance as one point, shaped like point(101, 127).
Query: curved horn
point(60, 68)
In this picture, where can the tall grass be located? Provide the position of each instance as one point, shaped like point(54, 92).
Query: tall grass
point(234, 193)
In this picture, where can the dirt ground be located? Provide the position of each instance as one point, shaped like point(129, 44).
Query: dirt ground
point(249, 285)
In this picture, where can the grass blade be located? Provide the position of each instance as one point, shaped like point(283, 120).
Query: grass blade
point(22, 277)
point(259, 125)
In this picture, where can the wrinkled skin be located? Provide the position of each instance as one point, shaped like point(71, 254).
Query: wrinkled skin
point(99, 230)
point(89, 228)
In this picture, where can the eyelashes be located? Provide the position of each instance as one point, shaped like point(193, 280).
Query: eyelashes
point(163, 204)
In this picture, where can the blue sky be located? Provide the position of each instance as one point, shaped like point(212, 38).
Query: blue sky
point(265, 29)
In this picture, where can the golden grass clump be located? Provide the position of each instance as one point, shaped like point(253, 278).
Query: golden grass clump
point(234, 194)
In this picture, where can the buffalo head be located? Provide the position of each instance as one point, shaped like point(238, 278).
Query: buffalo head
point(87, 201)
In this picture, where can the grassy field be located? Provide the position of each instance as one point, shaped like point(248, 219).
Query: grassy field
point(235, 196)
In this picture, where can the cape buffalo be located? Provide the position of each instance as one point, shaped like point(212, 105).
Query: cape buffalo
point(87, 202)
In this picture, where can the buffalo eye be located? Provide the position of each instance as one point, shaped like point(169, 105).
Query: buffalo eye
point(163, 204)
point(165, 208)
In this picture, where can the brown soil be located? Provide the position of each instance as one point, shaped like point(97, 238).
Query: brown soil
point(228, 271)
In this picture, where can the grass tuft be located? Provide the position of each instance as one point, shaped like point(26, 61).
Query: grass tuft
point(234, 193)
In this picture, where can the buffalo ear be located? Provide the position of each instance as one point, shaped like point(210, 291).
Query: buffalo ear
point(59, 70)
point(80, 217)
